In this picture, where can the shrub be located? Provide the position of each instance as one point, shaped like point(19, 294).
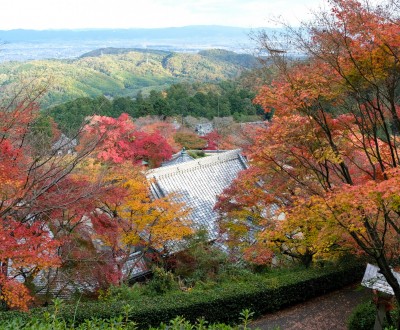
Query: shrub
point(52, 322)
point(200, 261)
point(122, 292)
point(224, 302)
point(363, 317)
point(161, 282)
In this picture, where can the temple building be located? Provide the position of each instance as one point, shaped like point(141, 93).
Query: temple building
point(197, 183)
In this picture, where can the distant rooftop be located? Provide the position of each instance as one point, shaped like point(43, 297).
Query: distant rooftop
point(204, 128)
point(197, 183)
point(178, 158)
point(64, 145)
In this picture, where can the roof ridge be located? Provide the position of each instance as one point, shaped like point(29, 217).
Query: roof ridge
point(225, 156)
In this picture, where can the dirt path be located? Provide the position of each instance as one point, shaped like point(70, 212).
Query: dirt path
point(329, 312)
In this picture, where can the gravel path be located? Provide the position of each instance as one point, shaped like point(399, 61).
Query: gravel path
point(329, 312)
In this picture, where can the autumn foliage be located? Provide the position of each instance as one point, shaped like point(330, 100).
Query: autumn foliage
point(121, 141)
point(26, 243)
point(328, 160)
point(76, 214)
point(189, 140)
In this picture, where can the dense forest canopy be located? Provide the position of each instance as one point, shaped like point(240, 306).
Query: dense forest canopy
point(224, 99)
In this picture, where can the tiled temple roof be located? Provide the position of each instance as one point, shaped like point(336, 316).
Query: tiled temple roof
point(179, 158)
point(197, 183)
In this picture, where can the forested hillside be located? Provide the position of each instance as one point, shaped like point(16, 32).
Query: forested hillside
point(208, 100)
point(123, 73)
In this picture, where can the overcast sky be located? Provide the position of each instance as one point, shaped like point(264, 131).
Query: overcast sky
point(72, 14)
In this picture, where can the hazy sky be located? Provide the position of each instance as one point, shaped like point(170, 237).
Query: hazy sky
point(56, 14)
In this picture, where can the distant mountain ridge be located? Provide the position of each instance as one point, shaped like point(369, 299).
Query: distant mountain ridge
point(193, 32)
point(117, 51)
point(244, 60)
point(123, 72)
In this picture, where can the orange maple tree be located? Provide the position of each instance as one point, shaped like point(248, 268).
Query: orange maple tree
point(127, 217)
point(123, 216)
point(330, 154)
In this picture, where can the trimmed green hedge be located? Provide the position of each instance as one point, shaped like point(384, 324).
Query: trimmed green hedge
point(221, 304)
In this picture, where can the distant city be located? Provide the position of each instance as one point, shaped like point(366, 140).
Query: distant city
point(26, 51)
point(24, 45)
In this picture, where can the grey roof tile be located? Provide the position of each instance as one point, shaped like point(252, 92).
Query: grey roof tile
point(197, 183)
point(178, 158)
